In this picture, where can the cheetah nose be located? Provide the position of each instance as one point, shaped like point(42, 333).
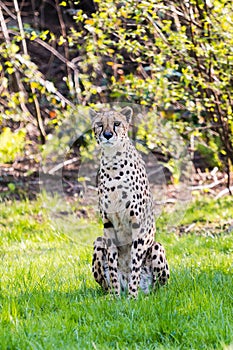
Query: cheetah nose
point(108, 134)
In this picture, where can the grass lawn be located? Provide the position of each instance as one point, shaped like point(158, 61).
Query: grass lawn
point(49, 300)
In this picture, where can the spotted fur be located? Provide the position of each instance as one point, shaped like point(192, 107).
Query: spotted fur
point(126, 257)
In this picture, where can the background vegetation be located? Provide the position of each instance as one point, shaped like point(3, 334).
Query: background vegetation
point(175, 58)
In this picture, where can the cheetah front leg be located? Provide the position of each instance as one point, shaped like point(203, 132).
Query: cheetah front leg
point(159, 265)
point(100, 268)
point(136, 264)
point(113, 267)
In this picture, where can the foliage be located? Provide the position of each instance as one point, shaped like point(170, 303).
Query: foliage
point(49, 298)
point(165, 56)
point(12, 144)
point(175, 58)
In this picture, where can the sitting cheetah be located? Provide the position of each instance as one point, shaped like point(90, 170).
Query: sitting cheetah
point(126, 257)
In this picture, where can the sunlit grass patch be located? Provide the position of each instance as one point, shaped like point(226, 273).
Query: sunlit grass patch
point(49, 299)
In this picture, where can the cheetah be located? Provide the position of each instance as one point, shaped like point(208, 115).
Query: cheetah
point(126, 257)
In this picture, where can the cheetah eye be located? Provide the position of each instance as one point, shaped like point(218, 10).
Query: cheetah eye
point(117, 123)
point(99, 125)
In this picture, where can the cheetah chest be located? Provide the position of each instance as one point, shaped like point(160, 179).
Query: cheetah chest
point(123, 193)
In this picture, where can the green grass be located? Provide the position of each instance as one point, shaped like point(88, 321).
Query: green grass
point(49, 300)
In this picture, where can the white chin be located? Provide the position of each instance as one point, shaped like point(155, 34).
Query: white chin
point(108, 143)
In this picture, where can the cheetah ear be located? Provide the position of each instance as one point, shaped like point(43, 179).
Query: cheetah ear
point(127, 112)
point(92, 114)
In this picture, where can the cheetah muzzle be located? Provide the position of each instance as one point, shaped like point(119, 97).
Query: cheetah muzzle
point(127, 256)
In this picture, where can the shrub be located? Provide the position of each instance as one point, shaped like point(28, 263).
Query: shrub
point(12, 144)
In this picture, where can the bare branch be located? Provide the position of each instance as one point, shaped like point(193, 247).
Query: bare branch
point(63, 164)
point(38, 116)
point(4, 27)
point(20, 23)
point(5, 8)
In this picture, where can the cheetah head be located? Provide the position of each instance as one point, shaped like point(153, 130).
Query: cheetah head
point(111, 127)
